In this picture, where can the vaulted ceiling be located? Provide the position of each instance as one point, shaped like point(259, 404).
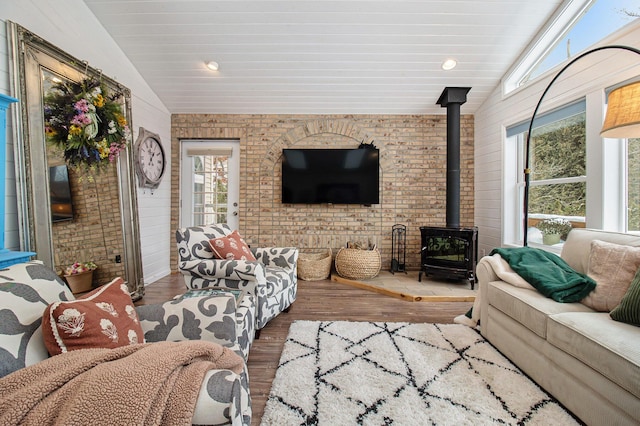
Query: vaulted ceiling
point(320, 57)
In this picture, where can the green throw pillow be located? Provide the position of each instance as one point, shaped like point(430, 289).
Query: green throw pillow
point(629, 308)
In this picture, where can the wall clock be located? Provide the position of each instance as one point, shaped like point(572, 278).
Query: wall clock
point(149, 158)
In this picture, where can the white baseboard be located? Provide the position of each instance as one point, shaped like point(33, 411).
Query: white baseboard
point(151, 278)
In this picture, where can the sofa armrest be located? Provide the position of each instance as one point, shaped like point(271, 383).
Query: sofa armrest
point(485, 274)
point(284, 257)
point(240, 270)
point(210, 318)
point(223, 399)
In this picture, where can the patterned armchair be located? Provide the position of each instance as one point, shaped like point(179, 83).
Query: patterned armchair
point(27, 288)
point(272, 278)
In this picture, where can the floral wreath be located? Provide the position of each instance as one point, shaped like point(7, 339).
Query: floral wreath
point(85, 122)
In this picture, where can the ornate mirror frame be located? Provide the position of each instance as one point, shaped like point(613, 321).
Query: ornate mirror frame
point(31, 58)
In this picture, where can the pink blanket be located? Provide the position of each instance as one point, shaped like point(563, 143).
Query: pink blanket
point(152, 383)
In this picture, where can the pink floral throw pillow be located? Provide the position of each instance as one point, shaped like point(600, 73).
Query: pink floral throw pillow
point(231, 247)
point(104, 318)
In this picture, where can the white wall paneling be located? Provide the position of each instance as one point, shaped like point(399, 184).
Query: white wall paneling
point(71, 26)
point(587, 77)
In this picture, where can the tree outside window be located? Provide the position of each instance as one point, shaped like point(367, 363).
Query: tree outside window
point(558, 168)
point(633, 185)
point(557, 163)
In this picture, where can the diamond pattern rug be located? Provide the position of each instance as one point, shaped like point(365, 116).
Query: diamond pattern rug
point(363, 373)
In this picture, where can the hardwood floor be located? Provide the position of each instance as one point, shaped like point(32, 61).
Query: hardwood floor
point(319, 301)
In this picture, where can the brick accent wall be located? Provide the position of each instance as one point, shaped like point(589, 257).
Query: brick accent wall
point(412, 177)
point(95, 234)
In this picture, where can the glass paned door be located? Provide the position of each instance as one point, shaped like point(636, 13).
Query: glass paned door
point(209, 184)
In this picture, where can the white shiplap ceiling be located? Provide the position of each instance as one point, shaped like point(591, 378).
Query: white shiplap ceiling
point(320, 57)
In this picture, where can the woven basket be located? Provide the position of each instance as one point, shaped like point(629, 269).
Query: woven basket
point(356, 264)
point(314, 266)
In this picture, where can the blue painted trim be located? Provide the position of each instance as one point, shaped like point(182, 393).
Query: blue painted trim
point(12, 257)
point(5, 101)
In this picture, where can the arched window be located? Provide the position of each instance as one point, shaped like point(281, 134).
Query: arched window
point(577, 26)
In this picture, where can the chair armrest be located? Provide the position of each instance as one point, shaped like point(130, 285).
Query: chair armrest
point(241, 270)
point(284, 257)
point(223, 399)
point(210, 318)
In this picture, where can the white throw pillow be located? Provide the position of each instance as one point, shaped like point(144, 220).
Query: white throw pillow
point(612, 267)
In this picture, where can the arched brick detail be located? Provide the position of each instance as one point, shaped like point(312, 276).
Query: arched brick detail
point(339, 127)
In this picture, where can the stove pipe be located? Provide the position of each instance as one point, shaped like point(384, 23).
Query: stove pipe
point(451, 98)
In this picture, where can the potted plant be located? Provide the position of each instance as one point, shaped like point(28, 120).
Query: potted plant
point(553, 229)
point(79, 276)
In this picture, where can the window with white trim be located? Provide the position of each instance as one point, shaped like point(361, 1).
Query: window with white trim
point(558, 167)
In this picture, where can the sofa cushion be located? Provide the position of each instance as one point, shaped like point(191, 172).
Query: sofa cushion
point(528, 307)
point(629, 308)
point(25, 291)
point(609, 347)
point(104, 318)
point(612, 266)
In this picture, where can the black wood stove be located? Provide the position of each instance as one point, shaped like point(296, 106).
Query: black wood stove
point(449, 253)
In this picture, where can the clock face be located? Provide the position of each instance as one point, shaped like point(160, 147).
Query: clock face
point(150, 159)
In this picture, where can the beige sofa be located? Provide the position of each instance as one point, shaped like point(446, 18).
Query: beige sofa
point(586, 360)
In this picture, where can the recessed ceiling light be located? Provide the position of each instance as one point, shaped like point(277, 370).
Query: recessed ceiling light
point(449, 64)
point(213, 66)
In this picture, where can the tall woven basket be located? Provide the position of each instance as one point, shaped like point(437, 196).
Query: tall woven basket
point(314, 266)
point(356, 264)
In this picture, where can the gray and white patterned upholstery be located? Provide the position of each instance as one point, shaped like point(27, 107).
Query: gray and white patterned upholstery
point(210, 318)
point(214, 318)
point(246, 320)
point(272, 278)
point(26, 289)
point(224, 396)
point(224, 399)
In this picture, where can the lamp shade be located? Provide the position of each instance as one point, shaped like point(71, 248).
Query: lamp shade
point(623, 113)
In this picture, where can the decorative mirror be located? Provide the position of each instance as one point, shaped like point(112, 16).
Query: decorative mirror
point(76, 195)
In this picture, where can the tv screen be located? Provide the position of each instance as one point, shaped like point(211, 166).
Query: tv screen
point(335, 176)
point(60, 194)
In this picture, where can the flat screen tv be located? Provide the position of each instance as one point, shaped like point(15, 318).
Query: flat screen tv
point(331, 176)
point(60, 194)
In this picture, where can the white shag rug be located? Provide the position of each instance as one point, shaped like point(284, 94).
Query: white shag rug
point(363, 373)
